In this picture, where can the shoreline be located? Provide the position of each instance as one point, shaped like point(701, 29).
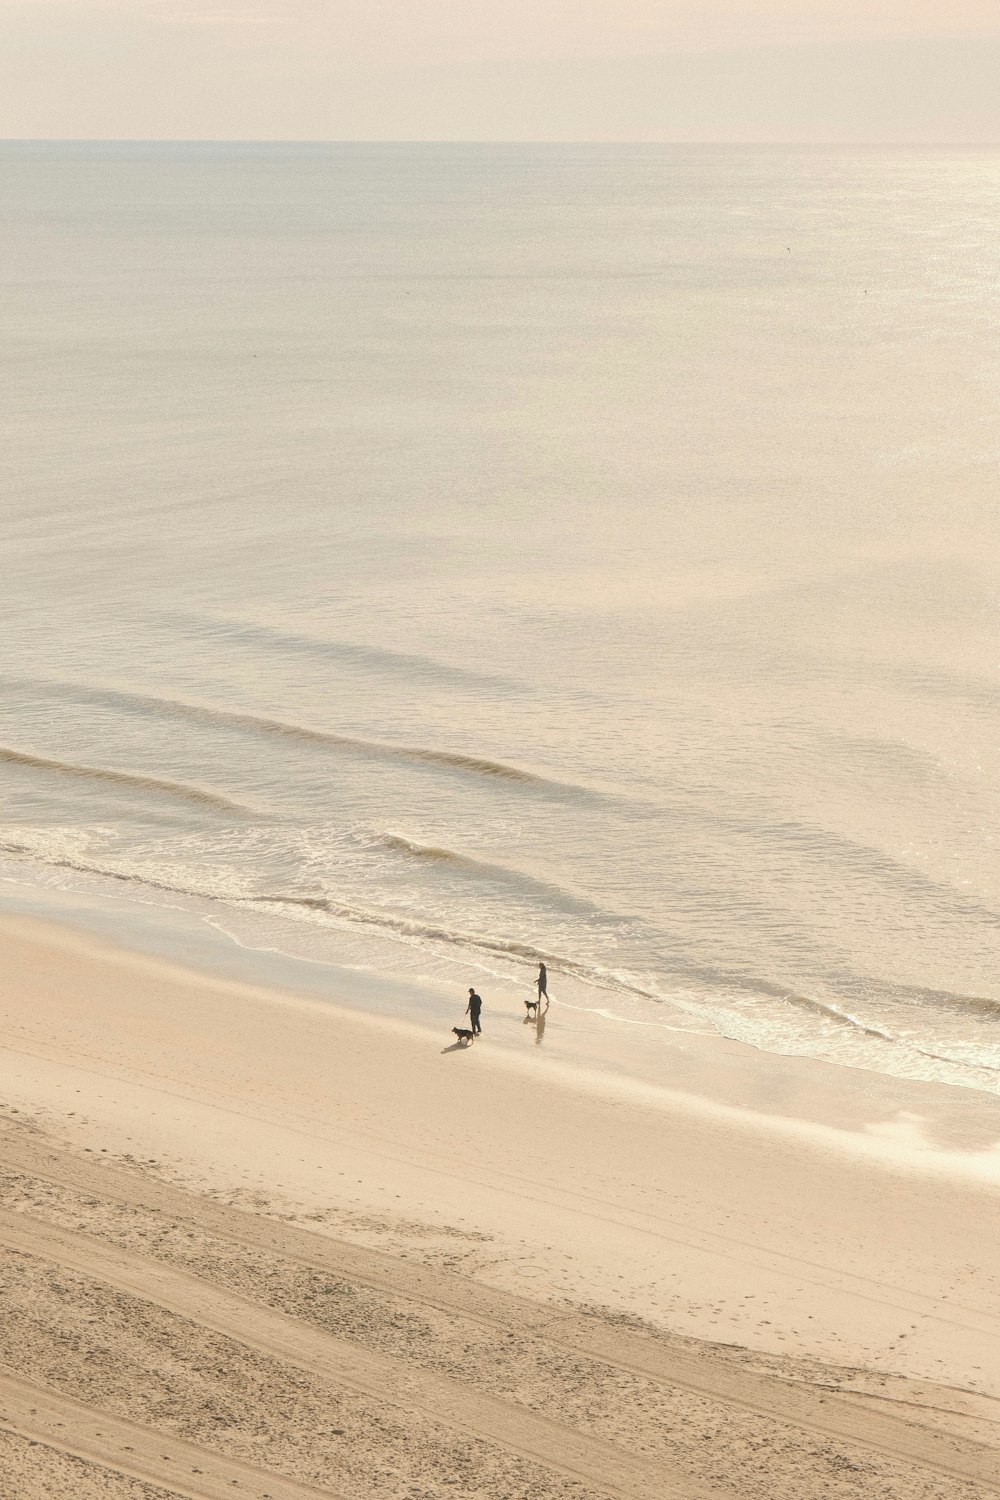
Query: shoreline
point(694, 1216)
point(922, 1124)
point(646, 1034)
point(634, 1290)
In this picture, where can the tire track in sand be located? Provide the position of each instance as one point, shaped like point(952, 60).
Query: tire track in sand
point(379, 1377)
point(56, 1421)
point(822, 1412)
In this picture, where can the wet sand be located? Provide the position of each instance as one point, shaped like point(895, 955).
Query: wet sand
point(257, 1244)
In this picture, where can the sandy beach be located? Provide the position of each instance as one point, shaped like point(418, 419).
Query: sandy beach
point(261, 1244)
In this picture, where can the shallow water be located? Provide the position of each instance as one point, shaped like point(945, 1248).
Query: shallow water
point(434, 558)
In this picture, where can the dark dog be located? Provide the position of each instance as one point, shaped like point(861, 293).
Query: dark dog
point(465, 1037)
point(531, 1007)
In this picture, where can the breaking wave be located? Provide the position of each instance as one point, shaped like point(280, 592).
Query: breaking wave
point(528, 885)
point(726, 991)
point(423, 930)
point(385, 921)
point(834, 1013)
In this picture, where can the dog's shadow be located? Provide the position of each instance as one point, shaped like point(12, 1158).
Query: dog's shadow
point(457, 1047)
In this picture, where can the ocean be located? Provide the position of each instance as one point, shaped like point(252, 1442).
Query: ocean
point(427, 560)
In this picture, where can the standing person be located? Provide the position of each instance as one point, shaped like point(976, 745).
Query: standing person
point(472, 1010)
point(543, 985)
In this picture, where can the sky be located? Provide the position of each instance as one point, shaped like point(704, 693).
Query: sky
point(616, 70)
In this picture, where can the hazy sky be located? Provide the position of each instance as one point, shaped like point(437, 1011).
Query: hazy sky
point(810, 70)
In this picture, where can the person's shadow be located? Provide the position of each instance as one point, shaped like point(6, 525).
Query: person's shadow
point(540, 1024)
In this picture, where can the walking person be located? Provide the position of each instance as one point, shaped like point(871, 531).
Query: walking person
point(472, 1010)
point(543, 985)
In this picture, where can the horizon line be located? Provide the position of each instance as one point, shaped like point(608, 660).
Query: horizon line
point(73, 140)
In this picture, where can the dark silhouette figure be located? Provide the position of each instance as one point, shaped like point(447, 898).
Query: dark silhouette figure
point(472, 1010)
point(543, 984)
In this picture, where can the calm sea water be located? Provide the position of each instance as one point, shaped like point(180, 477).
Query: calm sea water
point(433, 558)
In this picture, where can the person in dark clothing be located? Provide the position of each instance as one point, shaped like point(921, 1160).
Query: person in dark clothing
point(472, 1010)
point(543, 984)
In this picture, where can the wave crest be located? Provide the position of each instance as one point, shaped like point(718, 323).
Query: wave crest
point(203, 713)
point(525, 885)
point(834, 1013)
point(183, 789)
point(369, 659)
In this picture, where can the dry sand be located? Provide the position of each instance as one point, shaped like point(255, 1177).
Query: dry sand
point(253, 1245)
